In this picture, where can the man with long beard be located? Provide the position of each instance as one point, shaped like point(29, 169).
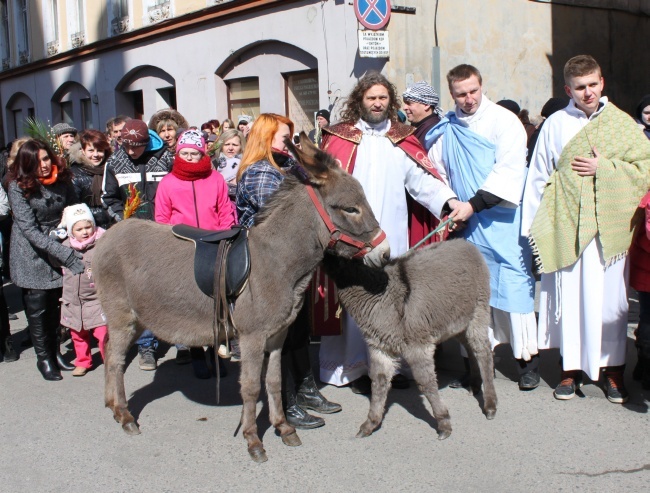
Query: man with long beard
point(404, 192)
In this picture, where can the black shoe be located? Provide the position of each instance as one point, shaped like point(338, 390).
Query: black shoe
point(400, 382)
point(299, 418)
point(49, 370)
point(183, 356)
point(529, 380)
point(27, 342)
point(315, 401)
point(63, 364)
point(362, 385)
point(615, 385)
point(147, 361)
point(566, 389)
point(463, 381)
point(9, 353)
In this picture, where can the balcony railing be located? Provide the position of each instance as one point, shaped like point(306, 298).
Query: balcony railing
point(23, 57)
point(78, 39)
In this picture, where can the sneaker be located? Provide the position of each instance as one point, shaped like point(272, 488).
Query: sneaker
point(235, 352)
point(79, 371)
point(615, 387)
point(147, 360)
point(183, 356)
point(566, 389)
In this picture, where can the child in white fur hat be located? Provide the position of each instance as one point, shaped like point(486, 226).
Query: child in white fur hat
point(81, 311)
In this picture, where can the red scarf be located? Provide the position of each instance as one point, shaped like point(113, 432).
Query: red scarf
point(186, 171)
point(48, 180)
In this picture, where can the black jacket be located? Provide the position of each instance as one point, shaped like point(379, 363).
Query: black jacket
point(144, 173)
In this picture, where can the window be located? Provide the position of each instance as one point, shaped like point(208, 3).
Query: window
point(243, 97)
point(66, 112)
point(86, 113)
point(5, 48)
point(22, 31)
point(120, 19)
point(302, 99)
point(76, 22)
point(51, 25)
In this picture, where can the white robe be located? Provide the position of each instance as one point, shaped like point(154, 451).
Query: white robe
point(384, 171)
point(583, 307)
point(506, 180)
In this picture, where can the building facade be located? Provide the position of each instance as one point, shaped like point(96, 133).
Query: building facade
point(84, 61)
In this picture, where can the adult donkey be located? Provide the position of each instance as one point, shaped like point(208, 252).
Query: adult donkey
point(145, 278)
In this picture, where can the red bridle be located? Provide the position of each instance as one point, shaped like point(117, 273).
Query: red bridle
point(336, 235)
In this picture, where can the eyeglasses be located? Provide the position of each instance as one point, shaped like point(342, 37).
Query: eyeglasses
point(185, 154)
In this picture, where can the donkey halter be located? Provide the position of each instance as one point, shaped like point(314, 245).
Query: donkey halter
point(335, 234)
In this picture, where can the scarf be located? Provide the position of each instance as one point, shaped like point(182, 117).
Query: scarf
point(186, 171)
point(97, 172)
point(575, 209)
point(49, 180)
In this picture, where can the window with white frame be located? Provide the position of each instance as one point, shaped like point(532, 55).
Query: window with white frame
point(51, 25)
point(76, 15)
point(120, 17)
point(22, 30)
point(5, 46)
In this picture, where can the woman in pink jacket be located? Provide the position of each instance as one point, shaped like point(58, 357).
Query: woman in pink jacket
point(195, 194)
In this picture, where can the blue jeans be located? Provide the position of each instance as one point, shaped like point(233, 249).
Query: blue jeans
point(146, 340)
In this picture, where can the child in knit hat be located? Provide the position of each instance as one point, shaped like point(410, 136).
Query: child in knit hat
point(81, 311)
point(196, 194)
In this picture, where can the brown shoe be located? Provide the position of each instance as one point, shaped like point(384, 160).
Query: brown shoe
point(79, 371)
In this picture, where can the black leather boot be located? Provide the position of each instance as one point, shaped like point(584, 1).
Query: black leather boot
point(35, 302)
point(296, 415)
point(529, 373)
point(307, 394)
point(462, 382)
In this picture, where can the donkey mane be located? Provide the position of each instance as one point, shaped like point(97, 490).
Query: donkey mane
point(278, 199)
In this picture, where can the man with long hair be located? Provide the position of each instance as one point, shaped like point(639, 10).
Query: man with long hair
point(404, 192)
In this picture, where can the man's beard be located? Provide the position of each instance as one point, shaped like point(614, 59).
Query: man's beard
point(369, 117)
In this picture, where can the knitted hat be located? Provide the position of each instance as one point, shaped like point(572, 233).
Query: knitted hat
point(511, 105)
point(191, 139)
point(423, 93)
point(63, 128)
point(73, 214)
point(325, 114)
point(244, 119)
point(135, 133)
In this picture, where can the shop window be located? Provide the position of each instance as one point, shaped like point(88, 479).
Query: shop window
point(243, 97)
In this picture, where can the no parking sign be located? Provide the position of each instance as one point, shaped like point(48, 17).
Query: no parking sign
point(372, 14)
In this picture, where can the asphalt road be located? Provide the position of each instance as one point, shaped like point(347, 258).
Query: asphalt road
point(58, 437)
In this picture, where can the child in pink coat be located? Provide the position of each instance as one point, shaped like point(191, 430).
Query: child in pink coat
point(81, 311)
point(194, 193)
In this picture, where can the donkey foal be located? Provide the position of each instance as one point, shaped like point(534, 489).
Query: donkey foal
point(410, 306)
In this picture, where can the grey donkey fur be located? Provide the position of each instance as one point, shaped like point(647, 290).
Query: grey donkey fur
point(145, 279)
point(410, 306)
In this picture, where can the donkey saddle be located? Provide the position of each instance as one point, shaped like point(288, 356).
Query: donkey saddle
point(221, 259)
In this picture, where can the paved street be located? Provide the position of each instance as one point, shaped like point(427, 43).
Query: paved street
point(58, 437)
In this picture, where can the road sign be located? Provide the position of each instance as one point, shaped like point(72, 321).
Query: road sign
point(373, 44)
point(372, 14)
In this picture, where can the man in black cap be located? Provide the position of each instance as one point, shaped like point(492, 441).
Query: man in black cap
point(322, 120)
point(421, 108)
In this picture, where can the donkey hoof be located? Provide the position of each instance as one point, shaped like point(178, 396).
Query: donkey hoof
point(258, 455)
point(490, 413)
point(131, 428)
point(363, 433)
point(292, 440)
point(442, 434)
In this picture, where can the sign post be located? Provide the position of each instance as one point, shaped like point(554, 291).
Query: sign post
point(373, 15)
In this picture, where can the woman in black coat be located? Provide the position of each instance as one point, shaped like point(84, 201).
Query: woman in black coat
point(39, 190)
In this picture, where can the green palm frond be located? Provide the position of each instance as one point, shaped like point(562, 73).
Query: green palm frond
point(37, 129)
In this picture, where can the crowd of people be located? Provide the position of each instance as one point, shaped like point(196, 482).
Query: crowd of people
point(563, 198)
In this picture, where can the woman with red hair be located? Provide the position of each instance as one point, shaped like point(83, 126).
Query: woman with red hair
point(88, 158)
point(39, 190)
point(265, 163)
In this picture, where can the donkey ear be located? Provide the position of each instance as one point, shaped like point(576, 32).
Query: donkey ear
point(315, 162)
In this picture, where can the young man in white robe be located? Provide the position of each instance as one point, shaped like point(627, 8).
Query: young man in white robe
point(481, 148)
point(392, 167)
point(589, 170)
